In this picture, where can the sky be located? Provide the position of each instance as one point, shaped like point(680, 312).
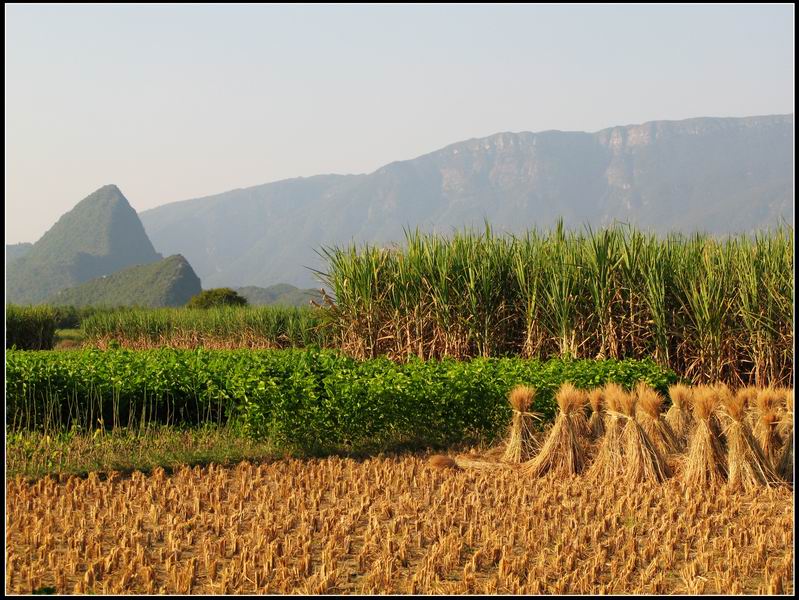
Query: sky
point(172, 102)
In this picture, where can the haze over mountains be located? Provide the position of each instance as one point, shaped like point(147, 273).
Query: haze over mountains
point(719, 175)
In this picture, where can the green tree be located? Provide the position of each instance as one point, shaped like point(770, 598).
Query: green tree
point(216, 297)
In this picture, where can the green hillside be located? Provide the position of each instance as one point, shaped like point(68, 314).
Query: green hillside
point(168, 282)
point(101, 235)
point(281, 294)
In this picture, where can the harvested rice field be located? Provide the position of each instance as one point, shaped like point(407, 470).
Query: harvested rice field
point(393, 525)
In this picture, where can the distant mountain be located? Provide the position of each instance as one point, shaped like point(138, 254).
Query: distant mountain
point(167, 282)
point(719, 175)
point(281, 294)
point(14, 251)
point(102, 234)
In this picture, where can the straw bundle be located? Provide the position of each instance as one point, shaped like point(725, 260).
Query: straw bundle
point(562, 452)
point(785, 425)
point(748, 395)
point(722, 393)
point(704, 462)
point(766, 401)
point(765, 432)
point(521, 445)
point(653, 424)
point(596, 424)
point(748, 467)
point(578, 416)
point(643, 461)
point(679, 415)
point(785, 465)
point(609, 460)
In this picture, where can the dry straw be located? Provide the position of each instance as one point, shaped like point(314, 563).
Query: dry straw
point(484, 462)
point(785, 411)
point(643, 461)
point(609, 460)
point(596, 424)
point(439, 461)
point(766, 434)
point(562, 452)
point(748, 467)
point(748, 396)
point(522, 444)
point(704, 462)
point(767, 400)
point(655, 426)
point(722, 393)
point(785, 465)
point(679, 415)
point(578, 416)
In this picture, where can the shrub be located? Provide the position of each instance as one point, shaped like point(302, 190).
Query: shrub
point(216, 297)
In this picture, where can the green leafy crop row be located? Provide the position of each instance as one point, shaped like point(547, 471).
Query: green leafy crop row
point(302, 400)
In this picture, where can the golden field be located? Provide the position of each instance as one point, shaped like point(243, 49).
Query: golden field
point(392, 525)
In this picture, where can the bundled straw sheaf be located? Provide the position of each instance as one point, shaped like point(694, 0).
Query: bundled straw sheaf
point(785, 465)
point(643, 461)
point(562, 452)
point(578, 416)
point(652, 422)
point(609, 460)
point(679, 415)
point(748, 467)
point(596, 424)
point(785, 413)
point(748, 396)
point(766, 434)
point(767, 401)
point(722, 393)
point(704, 464)
point(521, 445)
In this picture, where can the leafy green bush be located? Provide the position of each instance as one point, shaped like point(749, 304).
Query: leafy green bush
point(310, 401)
point(216, 297)
point(30, 327)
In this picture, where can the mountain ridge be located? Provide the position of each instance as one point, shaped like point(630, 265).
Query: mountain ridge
point(714, 174)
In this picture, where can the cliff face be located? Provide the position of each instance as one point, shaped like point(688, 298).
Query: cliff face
point(719, 175)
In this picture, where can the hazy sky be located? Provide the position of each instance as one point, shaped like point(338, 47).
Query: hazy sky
point(177, 102)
